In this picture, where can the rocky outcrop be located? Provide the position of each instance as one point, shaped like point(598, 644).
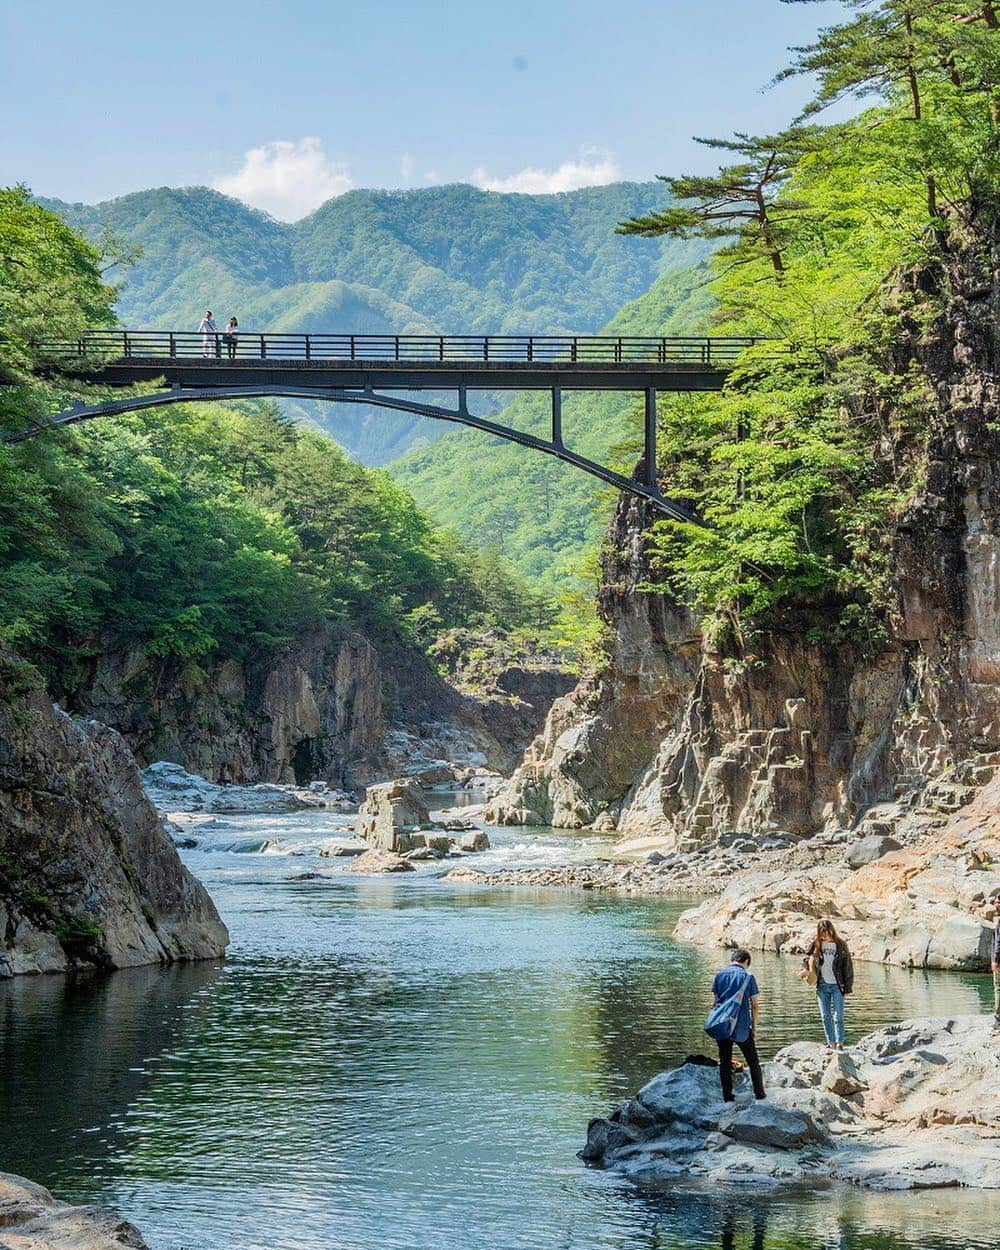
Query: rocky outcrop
point(394, 818)
point(310, 712)
point(679, 740)
point(392, 812)
point(913, 1106)
point(88, 874)
point(924, 905)
point(172, 789)
point(31, 1219)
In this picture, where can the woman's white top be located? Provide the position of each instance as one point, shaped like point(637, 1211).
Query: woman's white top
point(826, 967)
point(232, 330)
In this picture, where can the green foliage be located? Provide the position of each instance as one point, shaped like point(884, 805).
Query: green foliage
point(76, 935)
point(50, 283)
point(221, 531)
point(797, 467)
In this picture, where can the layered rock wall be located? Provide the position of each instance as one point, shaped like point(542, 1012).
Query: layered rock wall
point(679, 740)
point(311, 712)
point(88, 874)
point(316, 711)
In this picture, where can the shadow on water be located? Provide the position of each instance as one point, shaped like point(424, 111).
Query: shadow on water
point(731, 1218)
point(76, 1052)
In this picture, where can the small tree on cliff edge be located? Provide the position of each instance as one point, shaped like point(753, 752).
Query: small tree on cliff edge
point(740, 200)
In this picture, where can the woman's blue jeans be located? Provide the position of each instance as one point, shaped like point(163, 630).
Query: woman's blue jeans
point(831, 1008)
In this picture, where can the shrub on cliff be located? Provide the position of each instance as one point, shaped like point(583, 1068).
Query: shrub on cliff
point(802, 465)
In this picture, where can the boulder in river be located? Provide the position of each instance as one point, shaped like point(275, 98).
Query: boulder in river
point(32, 1219)
point(913, 1106)
point(391, 812)
point(476, 840)
point(380, 861)
point(343, 850)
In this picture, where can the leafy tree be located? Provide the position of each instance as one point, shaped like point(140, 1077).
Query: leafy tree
point(739, 200)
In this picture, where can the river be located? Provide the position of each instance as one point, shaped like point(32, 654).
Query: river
point(404, 1064)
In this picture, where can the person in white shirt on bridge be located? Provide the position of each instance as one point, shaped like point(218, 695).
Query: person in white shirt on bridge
point(209, 332)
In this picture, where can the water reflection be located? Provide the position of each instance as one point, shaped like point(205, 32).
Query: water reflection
point(403, 1064)
point(75, 1054)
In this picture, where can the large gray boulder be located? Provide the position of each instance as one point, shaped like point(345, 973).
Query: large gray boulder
point(914, 1106)
point(763, 1124)
point(391, 813)
point(868, 850)
point(379, 861)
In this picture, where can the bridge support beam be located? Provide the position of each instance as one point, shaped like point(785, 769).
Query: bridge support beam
point(649, 439)
point(643, 484)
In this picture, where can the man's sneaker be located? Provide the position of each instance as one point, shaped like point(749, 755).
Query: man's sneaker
point(996, 1024)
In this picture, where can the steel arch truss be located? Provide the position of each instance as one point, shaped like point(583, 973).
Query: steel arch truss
point(644, 486)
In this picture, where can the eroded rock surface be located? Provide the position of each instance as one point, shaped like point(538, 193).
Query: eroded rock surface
point(924, 905)
point(31, 1219)
point(913, 1106)
point(391, 812)
point(88, 873)
point(173, 789)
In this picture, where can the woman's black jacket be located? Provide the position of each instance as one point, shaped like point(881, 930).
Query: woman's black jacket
point(843, 965)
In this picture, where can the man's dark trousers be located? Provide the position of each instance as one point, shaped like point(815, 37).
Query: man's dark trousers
point(749, 1048)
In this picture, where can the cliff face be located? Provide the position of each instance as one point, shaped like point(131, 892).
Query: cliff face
point(317, 711)
point(675, 739)
point(87, 873)
point(312, 712)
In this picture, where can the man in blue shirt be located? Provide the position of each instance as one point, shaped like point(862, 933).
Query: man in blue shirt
point(727, 984)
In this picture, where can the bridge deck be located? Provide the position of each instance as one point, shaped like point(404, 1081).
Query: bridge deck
point(398, 362)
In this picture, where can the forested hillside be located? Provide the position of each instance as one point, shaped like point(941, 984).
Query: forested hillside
point(441, 260)
point(210, 532)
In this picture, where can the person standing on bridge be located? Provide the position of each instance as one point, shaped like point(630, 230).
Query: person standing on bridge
point(209, 332)
point(231, 337)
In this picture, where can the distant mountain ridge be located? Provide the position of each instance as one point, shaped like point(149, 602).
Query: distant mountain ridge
point(436, 260)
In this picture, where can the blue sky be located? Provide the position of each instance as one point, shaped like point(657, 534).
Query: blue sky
point(284, 104)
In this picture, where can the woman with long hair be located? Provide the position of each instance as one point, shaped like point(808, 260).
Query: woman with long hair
point(830, 962)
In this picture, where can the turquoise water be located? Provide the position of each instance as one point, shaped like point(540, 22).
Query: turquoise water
point(403, 1063)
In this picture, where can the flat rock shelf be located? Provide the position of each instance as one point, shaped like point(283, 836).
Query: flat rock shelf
point(913, 1106)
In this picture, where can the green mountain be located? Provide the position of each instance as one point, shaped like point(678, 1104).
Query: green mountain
point(438, 260)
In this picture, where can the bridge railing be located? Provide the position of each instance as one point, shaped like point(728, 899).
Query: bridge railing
point(141, 345)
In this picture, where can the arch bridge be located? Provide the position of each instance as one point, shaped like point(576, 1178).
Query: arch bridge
point(384, 370)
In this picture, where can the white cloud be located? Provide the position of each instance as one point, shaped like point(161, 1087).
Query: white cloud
point(287, 179)
point(594, 168)
point(432, 175)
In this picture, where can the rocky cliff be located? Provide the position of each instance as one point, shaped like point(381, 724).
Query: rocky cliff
point(88, 876)
point(677, 739)
point(310, 711)
point(318, 710)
